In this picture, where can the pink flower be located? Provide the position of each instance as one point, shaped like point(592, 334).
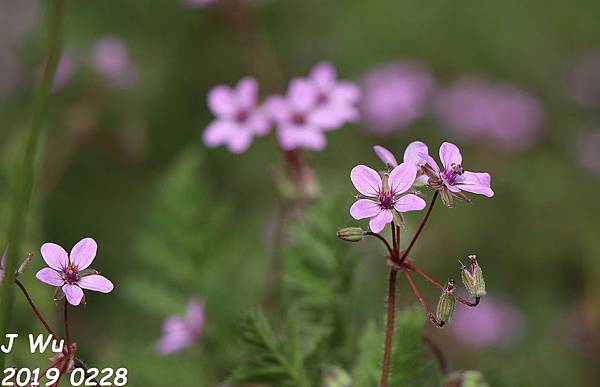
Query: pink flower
point(335, 99)
point(411, 156)
point(110, 58)
point(503, 115)
point(238, 117)
point(380, 198)
point(395, 95)
point(492, 323)
point(180, 332)
point(297, 124)
point(70, 273)
point(454, 179)
point(588, 150)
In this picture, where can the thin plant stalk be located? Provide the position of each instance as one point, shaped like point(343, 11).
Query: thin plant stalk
point(389, 327)
point(24, 173)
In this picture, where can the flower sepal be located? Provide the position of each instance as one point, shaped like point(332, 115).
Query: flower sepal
point(446, 303)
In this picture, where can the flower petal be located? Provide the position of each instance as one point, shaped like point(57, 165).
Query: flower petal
point(50, 277)
point(450, 154)
point(96, 283)
point(246, 92)
point(239, 142)
point(430, 161)
point(412, 153)
point(302, 94)
point(221, 101)
point(55, 256)
point(217, 133)
point(402, 178)
point(194, 314)
point(83, 253)
point(385, 155)
point(409, 202)
point(377, 223)
point(346, 92)
point(476, 182)
point(366, 180)
point(323, 74)
point(74, 294)
point(364, 208)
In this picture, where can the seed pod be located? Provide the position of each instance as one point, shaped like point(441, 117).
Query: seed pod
point(445, 306)
point(351, 234)
point(472, 277)
point(336, 377)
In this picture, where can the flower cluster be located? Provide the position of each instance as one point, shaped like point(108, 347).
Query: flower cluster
point(388, 194)
point(312, 106)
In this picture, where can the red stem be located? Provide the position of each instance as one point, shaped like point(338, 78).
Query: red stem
point(35, 309)
point(389, 328)
point(442, 287)
point(421, 300)
point(418, 233)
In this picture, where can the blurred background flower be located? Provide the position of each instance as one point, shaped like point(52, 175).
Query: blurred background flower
point(395, 95)
point(110, 58)
point(583, 80)
point(588, 150)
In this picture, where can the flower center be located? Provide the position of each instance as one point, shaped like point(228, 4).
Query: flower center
point(242, 116)
point(322, 99)
point(298, 118)
point(71, 274)
point(386, 201)
point(452, 173)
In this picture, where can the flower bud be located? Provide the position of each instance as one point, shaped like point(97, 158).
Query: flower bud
point(472, 277)
point(337, 377)
point(445, 306)
point(351, 234)
point(465, 379)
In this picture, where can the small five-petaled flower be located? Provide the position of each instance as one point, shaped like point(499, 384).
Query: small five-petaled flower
point(70, 273)
point(180, 332)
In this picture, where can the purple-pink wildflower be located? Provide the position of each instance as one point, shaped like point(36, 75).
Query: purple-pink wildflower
point(238, 118)
point(294, 114)
point(492, 323)
point(70, 273)
point(411, 156)
point(336, 100)
point(588, 150)
point(502, 115)
point(395, 95)
point(65, 68)
point(381, 197)
point(453, 178)
point(179, 332)
point(2, 266)
point(110, 58)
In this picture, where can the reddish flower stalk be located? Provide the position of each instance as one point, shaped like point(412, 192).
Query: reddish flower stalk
point(389, 330)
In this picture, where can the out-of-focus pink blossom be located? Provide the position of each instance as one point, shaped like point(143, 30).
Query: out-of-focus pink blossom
point(395, 95)
point(294, 114)
point(336, 100)
point(65, 68)
point(492, 324)
point(503, 115)
point(110, 58)
point(2, 266)
point(179, 332)
point(583, 80)
point(70, 273)
point(588, 150)
point(238, 118)
point(380, 198)
point(198, 3)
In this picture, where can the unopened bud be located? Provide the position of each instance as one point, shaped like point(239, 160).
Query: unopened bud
point(465, 379)
point(351, 234)
point(472, 277)
point(337, 377)
point(445, 306)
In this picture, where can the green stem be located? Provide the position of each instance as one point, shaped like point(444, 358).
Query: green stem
point(24, 174)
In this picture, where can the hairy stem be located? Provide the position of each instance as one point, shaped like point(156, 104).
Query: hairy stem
point(438, 285)
point(25, 171)
point(418, 233)
point(417, 293)
point(389, 327)
point(35, 309)
point(66, 322)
